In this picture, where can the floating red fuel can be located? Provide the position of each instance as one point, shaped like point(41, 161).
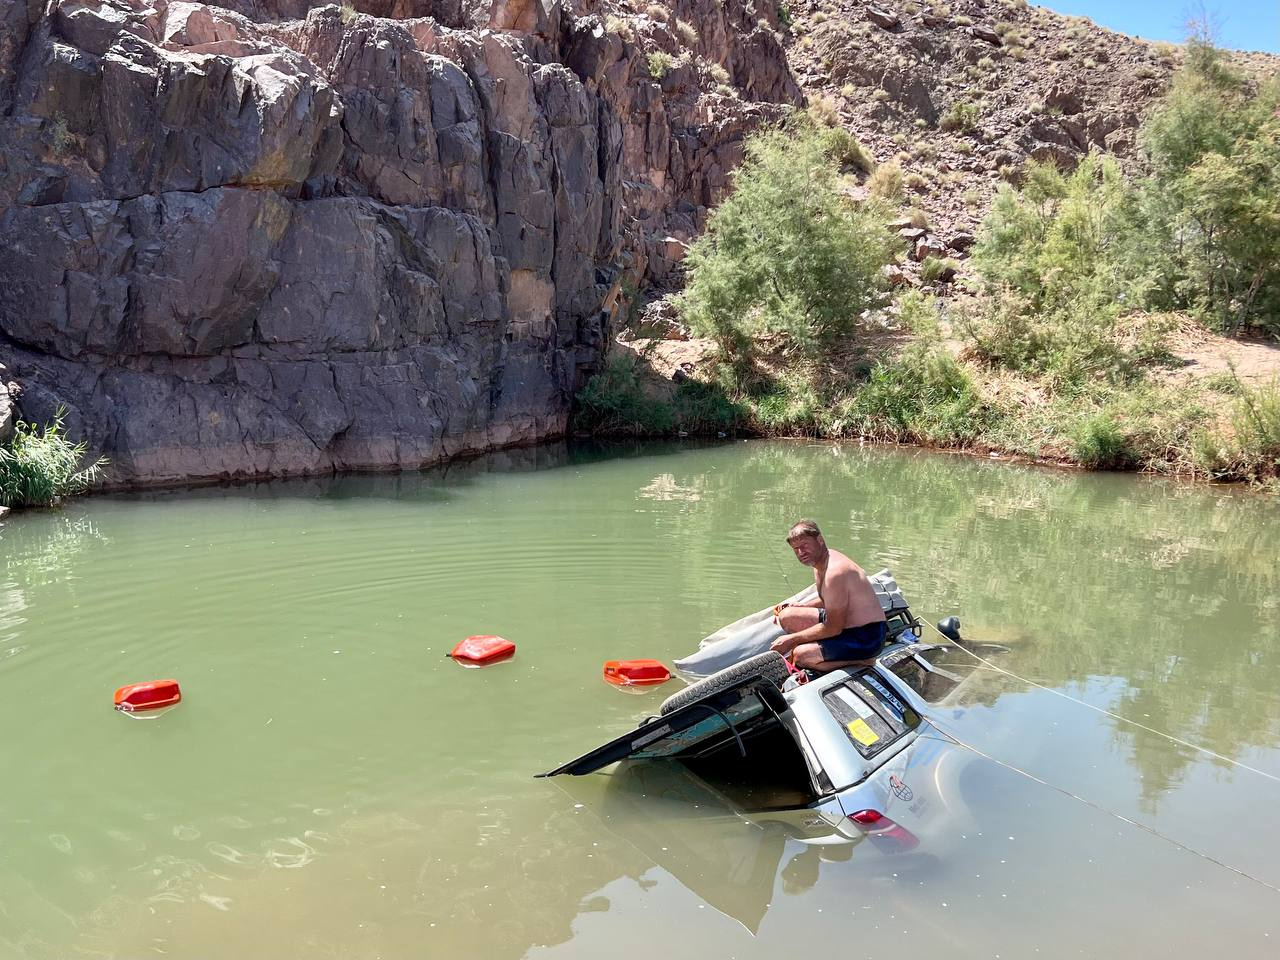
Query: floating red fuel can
point(483, 649)
point(148, 696)
point(636, 673)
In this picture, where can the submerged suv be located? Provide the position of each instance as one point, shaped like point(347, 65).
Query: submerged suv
point(854, 746)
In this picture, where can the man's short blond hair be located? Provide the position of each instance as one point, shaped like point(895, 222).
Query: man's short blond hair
point(804, 528)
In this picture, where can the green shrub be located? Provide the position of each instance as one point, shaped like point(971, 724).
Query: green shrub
point(844, 148)
point(58, 135)
point(962, 117)
point(707, 408)
point(885, 182)
point(660, 64)
point(784, 253)
point(1100, 444)
point(40, 466)
point(1212, 204)
point(688, 32)
point(924, 395)
point(614, 401)
point(1256, 421)
point(935, 268)
point(824, 111)
point(784, 16)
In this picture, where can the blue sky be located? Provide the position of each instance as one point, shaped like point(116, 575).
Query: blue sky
point(1242, 24)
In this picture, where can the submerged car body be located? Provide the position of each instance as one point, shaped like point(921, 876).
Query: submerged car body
point(853, 746)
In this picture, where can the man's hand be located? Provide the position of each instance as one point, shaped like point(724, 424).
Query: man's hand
point(784, 644)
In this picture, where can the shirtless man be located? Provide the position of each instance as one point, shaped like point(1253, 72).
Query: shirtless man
point(845, 625)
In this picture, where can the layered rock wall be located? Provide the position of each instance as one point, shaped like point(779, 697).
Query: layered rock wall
point(269, 237)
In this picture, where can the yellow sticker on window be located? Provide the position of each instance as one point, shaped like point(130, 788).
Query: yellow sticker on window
point(862, 733)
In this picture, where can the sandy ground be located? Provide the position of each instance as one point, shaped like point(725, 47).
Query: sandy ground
point(1199, 354)
point(1205, 354)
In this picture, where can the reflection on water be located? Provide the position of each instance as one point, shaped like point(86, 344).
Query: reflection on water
point(331, 786)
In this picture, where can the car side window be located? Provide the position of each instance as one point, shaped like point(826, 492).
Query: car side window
point(872, 715)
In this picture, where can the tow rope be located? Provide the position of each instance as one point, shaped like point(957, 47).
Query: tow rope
point(1107, 713)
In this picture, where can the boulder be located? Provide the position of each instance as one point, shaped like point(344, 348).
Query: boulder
point(985, 34)
point(897, 277)
point(7, 393)
point(928, 247)
point(883, 18)
point(1068, 100)
point(961, 242)
point(265, 238)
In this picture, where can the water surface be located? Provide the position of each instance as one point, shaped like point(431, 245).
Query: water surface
point(332, 786)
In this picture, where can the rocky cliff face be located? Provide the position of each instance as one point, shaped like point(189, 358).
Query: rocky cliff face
point(263, 238)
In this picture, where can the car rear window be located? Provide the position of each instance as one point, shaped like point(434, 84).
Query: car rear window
point(872, 715)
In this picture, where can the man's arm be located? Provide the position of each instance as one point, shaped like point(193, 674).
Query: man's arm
point(815, 602)
point(837, 613)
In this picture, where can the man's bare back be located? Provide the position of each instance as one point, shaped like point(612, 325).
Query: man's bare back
point(845, 585)
point(845, 624)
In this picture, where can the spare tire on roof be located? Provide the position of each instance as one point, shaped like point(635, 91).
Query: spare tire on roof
point(770, 665)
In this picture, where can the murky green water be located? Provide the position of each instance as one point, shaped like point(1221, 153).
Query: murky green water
point(332, 786)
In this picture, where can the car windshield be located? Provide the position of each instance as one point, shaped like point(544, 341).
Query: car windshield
point(870, 713)
point(932, 672)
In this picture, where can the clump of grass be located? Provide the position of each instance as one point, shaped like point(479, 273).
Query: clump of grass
point(1099, 443)
point(656, 11)
point(924, 395)
point(844, 148)
point(660, 64)
point(39, 466)
point(919, 219)
point(916, 182)
point(614, 401)
point(58, 135)
point(347, 12)
point(824, 111)
point(687, 31)
point(962, 117)
point(620, 26)
point(935, 269)
point(1256, 422)
point(718, 74)
point(885, 181)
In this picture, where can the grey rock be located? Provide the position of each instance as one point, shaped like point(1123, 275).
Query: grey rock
point(962, 241)
point(1068, 100)
point(259, 239)
point(883, 18)
point(6, 407)
point(928, 247)
point(985, 34)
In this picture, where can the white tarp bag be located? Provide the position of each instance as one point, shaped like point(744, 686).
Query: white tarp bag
point(753, 634)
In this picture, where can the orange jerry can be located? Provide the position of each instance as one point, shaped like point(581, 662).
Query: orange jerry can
point(148, 696)
point(636, 673)
point(483, 649)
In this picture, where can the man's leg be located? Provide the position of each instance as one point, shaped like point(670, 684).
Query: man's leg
point(809, 656)
point(795, 619)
